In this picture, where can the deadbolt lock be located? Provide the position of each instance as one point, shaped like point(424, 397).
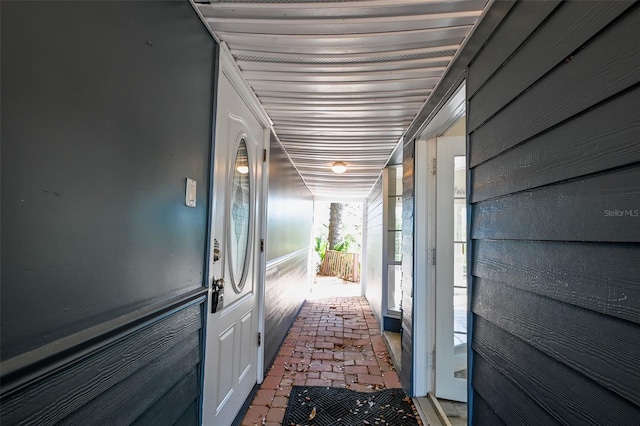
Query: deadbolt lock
point(216, 250)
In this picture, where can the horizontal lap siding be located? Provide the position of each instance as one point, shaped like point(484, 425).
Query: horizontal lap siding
point(189, 417)
point(289, 227)
point(566, 271)
point(501, 356)
point(554, 146)
point(505, 397)
point(181, 395)
point(483, 414)
point(598, 346)
point(558, 39)
point(287, 287)
point(120, 382)
point(603, 67)
point(524, 18)
point(601, 138)
point(578, 210)
point(375, 232)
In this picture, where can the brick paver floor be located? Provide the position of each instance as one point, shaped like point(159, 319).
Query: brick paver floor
point(333, 342)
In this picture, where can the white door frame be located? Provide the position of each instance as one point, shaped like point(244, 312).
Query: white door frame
point(424, 341)
point(424, 270)
point(446, 385)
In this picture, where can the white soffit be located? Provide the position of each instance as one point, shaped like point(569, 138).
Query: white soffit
point(342, 80)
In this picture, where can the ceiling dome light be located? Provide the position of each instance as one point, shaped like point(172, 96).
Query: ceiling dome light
point(339, 167)
point(243, 169)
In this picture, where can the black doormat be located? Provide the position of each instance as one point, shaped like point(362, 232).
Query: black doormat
point(323, 406)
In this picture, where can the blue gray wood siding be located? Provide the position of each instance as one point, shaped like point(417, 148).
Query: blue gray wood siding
point(149, 374)
point(554, 153)
point(373, 260)
point(107, 109)
point(289, 227)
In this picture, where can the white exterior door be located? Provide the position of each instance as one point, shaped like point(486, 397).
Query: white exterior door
point(231, 359)
point(451, 273)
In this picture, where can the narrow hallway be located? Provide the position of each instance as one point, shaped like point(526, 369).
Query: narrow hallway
point(334, 342)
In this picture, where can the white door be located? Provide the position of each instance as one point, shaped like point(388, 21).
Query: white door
point(451, 269)
point(232, 332)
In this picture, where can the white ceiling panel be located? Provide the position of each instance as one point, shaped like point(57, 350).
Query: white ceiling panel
point(342, 79)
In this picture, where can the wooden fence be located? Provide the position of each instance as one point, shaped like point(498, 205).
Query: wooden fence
point(342, 265)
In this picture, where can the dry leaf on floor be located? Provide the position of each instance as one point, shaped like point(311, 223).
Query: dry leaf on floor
point(313, 413)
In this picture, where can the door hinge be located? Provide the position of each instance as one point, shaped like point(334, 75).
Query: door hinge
point(433, 166)
point(264, 156)
point(259, 339)
point(262, 245)
point(433, 256)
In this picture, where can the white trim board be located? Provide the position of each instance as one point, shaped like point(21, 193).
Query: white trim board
point(424, 242)
point(230, 68)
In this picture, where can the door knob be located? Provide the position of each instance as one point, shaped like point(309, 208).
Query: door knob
point(218, 284)
point(217, 294)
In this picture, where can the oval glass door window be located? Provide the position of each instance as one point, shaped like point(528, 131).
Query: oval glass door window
point(240, 222)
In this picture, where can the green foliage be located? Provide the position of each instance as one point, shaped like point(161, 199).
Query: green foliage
point(348, 241)
point(321, 247)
